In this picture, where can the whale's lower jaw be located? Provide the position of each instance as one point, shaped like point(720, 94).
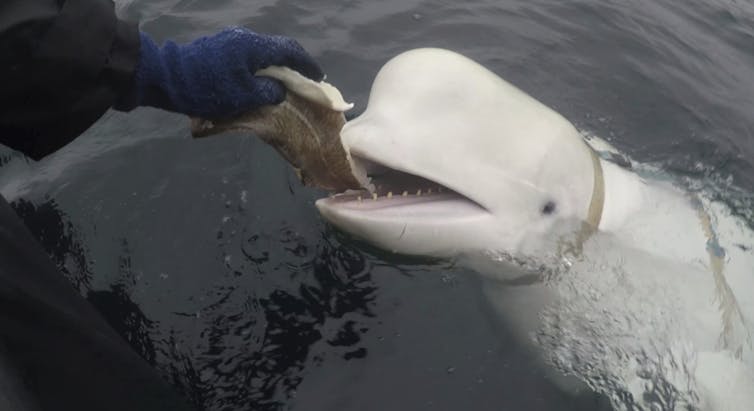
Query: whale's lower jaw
point(435, 225)
point(405, 213)
point(408, 208)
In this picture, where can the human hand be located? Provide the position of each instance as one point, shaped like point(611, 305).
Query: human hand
point(213, 77)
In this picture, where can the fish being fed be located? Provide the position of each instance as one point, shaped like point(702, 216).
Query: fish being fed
point(304, 129)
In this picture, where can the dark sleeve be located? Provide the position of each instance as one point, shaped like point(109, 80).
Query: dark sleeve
point(62, 65)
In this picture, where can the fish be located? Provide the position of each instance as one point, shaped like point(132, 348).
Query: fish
point(304, 129)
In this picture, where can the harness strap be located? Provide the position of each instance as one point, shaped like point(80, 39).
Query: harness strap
point(730, 310)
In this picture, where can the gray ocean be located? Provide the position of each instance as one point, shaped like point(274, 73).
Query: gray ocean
point(210, 258)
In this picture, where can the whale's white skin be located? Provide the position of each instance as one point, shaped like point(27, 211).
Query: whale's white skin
point(642, 285)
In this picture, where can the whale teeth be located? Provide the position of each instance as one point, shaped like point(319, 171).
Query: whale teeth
point(405, 193)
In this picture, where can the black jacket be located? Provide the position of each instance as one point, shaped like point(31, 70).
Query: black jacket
point(62, 64)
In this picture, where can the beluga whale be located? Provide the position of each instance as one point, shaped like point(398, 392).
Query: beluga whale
point(617, 277)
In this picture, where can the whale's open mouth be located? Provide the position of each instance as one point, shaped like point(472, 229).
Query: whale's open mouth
point(401, 192)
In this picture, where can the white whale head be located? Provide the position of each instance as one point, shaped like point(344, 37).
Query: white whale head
point(496, 169)
point(515, 176)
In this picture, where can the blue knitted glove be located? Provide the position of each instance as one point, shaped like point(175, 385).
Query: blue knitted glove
point(213, 77)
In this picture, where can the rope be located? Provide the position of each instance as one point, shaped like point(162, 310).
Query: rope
point(730, 310)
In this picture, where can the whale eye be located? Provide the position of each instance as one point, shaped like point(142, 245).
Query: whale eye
point(549, 208)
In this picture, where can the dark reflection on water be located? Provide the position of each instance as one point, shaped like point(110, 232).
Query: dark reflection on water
point(253, 358)
point(266, 367)
point(59, 238)
point(63, 244)
point(122, 313)
point(127, 319)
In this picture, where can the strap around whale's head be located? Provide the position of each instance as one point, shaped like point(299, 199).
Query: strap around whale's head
point(597, 204)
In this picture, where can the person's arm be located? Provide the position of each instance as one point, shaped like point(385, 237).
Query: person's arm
point(214, 77)
point(61, 68)
point(62, 65)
